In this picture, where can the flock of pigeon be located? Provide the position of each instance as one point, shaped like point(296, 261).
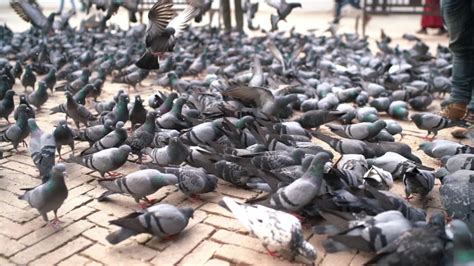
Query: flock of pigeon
point(248, 111)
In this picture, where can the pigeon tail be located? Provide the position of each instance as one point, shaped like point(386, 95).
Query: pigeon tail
point(326, 229)
point(148, 61)
point(332, 246)
point(119, 236)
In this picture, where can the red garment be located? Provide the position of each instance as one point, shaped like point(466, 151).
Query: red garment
point(430, 21)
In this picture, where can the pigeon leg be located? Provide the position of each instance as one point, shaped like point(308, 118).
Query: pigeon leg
point(271, 253)
point(408, 198)
point(8, 121)
point(195, 199)
point(147, 203)
point(114, 174)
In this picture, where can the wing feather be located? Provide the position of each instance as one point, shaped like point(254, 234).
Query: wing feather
point(180, 22)
point(160, 14)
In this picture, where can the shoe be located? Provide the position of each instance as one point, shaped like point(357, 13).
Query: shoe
point(469, 117)
point(422, 31)
point(459, 133)
point(441, 31)
point(455, 111)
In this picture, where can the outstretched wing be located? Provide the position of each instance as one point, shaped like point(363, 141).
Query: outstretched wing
point(29, 11)
point(181, 21)
point(160, 15)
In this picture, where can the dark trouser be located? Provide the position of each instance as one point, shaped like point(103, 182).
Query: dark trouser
point(458, 16)
point(340, 4)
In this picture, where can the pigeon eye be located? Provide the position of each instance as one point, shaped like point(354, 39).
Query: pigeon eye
point(259, 220)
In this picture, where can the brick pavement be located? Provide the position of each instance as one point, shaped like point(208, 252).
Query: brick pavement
point(213, 237)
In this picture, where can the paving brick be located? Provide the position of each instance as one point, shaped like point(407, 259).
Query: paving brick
point(12, 199)
point(361, 258)
point(225, 223)
point(183, 244)
point(201, 254)
point(9, 246)
point(76, 260)
point(115, 208)
point(63, 252)
point(16, 214)
point(216, 209)
point(13, 181)
point(236, 192)
point(198, 217)
point(52, 242)
point(340, 258)
point(109, 256)
point(240, 255)
point(227, 237)
point(84, 188)
point(216, 262)
point(101, 218)
point(135, 250)
point(72, 203)
point(5, 262)
point(23, 168)
point(97, 234)
point(15, 230)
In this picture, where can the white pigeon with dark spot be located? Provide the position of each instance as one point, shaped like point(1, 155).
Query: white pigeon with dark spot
point(276, 229)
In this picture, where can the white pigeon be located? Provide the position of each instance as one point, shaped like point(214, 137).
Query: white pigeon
point(279, 231)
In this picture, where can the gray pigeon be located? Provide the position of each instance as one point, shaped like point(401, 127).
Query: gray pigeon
point(301, 191)
point(162, 220)
point(38, 97)
point(457, 195)
point(104, 161)
point(360, 131)
point(77, 112)
point(418, 182)
point(41, 147)
point(113, 139)
point(343, 145)
point(16, 133)
point(418, 246)
point(162, 31)
point(370, 234)
point(278, 231)
point(395, 163)
point(283, 10)
point(143, 136)
point(173, 154)
point(50, 195)
point(63, 136)
point(139, 184)
point(193, 181)
point(93, 134)
point(7, 105)
point(433, 123)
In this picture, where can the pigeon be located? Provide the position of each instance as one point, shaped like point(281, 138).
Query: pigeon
point(173, 154)
point(50, 79)
point(161, 220)
point(173, 119)
point(317, 118)
point(63, 136)
point(418, 181)
point(301, 191)
point(283, 10)
point(143, 136)
point(260, 98)
point(7, 105)
point(138, 112)
point(38, 97)
point(193, 181)
point(139, 184)
point(77, 112)
point(93, 134)
point(31, 12)
point(104, 161)
point(462, 242)
point(113, 139)
point(370, 234)
point(395, 164)
point(42, 147)
point(50, 195)
point(16, 133)
point(162, 32)
point(277, 230)
point(433, 123)
point(418, 246)
point(343, 145)
point(360, 131)
point(29, 78)
point(456, 193)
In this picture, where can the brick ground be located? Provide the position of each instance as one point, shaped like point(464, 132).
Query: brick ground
point(212, 238)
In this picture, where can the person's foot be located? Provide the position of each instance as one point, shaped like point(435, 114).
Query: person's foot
point(441, 31)
point(422, 31)
point(454, 111)
point(459, 133)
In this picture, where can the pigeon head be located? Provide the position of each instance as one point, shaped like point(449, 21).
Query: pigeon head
point(9, 94)
point(306, 250)
point(108, 123)
point(59, 168)
point(119, 124)
point(459, 234)
point(125, 148)
point(400, 113)
point(437, 219)
point(417, 118)
point(187, 212)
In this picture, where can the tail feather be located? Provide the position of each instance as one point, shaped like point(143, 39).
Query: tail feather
point(110, 185)
point(119, 236)
point(326, 229)
point(148, 61)
point(332, 246)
